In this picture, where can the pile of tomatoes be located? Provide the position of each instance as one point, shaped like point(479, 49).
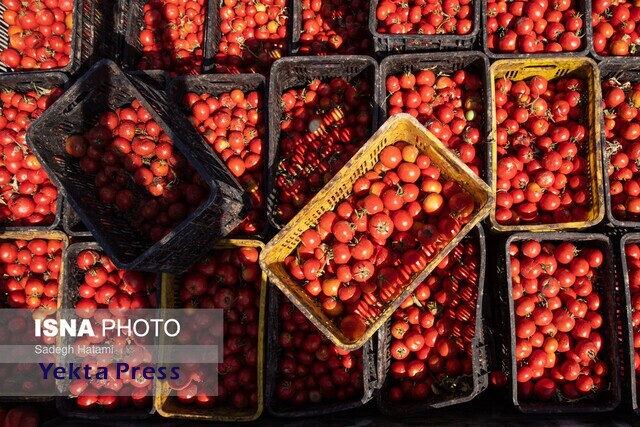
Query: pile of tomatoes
point(632, 253)
point(30, 271)
point(335, 27)
point(233, 124)
point(432, 331)
point(27, 195)
point(29, 280)
point(614, 27)
point(254, 35)
point(425, 17)
point(323, 125)
point(543, 147)
point(360, 256)
point(230, 280)
point(449, 106)
point(40, 34)
point(106, 292)
point(620, 102)
point(312, 370)
point(534, 26)
point(557, 304)
point(137, 170)
point(172, 38)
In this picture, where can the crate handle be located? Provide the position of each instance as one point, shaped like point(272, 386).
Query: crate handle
point(542, 67)
point(77, 101)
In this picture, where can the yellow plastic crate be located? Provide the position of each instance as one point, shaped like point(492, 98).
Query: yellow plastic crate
point(553, 68)
point(400, 127)
point(168, 406)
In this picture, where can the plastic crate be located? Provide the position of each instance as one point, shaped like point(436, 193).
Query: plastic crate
point(22, 82)
point(67, 298)
point(441, 62)
point(551, 69)
point(623, 70)
point(75, 112)
point(605, 401)
point(480, 376)
point(71, 222)
point(582, 6)
point(624, 307)
point(76, 41)
point(31, 234)
point(166, 405)
point(294, 72)
point(401, 127)
point(296, 30)
point(215, 34)
point(216, 84)
point(131, 21)
point(278, 409)
point(389, 43)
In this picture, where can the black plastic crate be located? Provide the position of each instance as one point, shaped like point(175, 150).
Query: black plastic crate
point(446, 63)
point(276, 408)
point(389, 43)
point(623, 70)
point(69, 295)
point(215, 34)
point(79, 19)
point(625, 313)
point(582, 6)
point(75, 112)
point(480, 359)
point(23, 82)
point(296, 29)
point(604, 401)
point(71, 222)
point(294, 72)
point(130, 19)
point(216, 84)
